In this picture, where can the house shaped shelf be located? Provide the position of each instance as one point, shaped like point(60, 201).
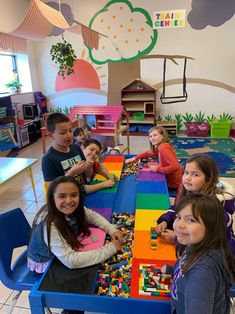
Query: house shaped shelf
point(105, 120)
point(139, 96)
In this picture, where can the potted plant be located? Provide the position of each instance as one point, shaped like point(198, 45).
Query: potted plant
point(14, 85)
point(64, 56)
point(196, 126)
point(190, 128)
point(221, 127)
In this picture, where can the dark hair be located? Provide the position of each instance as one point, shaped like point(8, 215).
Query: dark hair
point(92, 141)
point(161, 131)
point(209, 210)
point(53, 215)
point(54, 118)
point(78, 131)
point(208, 166)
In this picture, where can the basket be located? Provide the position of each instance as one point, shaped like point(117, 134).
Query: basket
point(138, 116)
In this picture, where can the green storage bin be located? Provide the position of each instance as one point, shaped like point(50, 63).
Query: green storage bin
point(220, 129)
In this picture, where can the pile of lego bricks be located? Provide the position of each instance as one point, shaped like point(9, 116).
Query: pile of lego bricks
point(128, 169)
point(152, 282)
point(114, 276)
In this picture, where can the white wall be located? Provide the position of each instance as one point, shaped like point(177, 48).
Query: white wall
point(213, 49)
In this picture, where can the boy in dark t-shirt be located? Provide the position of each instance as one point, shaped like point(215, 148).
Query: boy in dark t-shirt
point(63, 157)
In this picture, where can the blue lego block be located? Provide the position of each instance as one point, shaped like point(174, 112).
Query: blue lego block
point(152, 187)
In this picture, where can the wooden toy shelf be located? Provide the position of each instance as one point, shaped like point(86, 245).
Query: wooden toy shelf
point(139, 96)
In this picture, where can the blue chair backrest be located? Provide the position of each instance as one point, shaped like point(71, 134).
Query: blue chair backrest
point(14, 232)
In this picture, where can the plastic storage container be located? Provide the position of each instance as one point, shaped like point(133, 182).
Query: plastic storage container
point(138, 116)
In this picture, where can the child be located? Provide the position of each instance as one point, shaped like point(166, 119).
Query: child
point(61, 225)
point(63, 157)
point(200, 174)
point(167, 160)
point(79, 136)
point(205, 269)
point(113, 150)
point(91, 149)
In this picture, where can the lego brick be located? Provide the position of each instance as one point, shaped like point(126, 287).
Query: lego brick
point(105, 212)
point(145, 218)
point(142, 249)
point(103, 200)
point(152, 201)
point(152, 187)
point(150, 176)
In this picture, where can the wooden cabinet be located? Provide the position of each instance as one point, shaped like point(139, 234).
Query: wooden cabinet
point(139, 96)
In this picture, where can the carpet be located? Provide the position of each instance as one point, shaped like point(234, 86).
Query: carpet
point(221, 150)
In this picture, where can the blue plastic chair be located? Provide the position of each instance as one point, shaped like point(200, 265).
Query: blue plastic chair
point(14, 232)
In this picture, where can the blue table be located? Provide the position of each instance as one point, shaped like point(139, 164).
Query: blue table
point(61, 287)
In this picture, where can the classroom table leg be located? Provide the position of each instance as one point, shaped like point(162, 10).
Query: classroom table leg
point(30, 174)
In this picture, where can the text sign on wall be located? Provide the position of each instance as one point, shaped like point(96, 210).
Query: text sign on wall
point(169, 19)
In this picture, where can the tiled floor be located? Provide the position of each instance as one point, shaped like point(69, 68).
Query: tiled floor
point(18, 192)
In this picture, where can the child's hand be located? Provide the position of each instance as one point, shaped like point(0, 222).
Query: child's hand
point(117, 244)
point(77, 168)
point(168, 235)
point(89, 164)
point(163, 269)
point(108, 183)
point(161, 227)
point(130, 160)
point(116, 236)
point(113, 176)
point(152, 167)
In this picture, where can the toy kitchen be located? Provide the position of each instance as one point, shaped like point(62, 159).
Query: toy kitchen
point(23, 115)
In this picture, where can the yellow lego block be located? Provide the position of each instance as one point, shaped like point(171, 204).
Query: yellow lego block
point(145, 218)
point(99, 177)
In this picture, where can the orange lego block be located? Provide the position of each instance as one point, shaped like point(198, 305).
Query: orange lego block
point(146, 218)
point(113, 165)
point(142, 249)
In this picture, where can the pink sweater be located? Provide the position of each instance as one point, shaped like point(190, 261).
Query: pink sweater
point(168, 163)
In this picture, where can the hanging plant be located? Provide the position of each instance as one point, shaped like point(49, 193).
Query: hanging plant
point(64, 56)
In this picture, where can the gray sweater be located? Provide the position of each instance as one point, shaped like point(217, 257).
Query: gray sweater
point(203, 289)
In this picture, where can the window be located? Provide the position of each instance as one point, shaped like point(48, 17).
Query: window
point(8, 71)
point(14, 66)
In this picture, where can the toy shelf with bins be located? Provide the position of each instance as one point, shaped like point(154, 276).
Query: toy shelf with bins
point(139, 96)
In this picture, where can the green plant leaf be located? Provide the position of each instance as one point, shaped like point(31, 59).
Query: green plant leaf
point(63, 54)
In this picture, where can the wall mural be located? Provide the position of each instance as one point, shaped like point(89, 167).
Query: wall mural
point(129, 33)
point(87, 86)
point(121, 43)
point(128, 36)
point(210, 13)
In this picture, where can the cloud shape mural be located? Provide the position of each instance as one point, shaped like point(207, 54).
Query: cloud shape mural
point(67, 14)
point(129, 33)
point(210, 12)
